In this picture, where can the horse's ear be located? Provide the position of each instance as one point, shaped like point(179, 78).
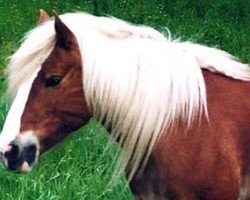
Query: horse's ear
point(64, 37)
point(44, 17)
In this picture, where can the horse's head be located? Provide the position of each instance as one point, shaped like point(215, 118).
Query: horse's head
point(49, 106)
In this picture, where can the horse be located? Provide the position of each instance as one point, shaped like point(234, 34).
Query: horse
point(179, 110)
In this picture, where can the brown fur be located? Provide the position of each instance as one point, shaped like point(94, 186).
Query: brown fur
point(210, 160)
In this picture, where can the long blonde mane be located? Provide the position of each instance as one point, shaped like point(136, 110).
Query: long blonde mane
point(135, 79)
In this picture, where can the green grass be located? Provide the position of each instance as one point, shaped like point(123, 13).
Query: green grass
point(77, 168)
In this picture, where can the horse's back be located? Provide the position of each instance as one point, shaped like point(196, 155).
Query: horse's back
point(207, 161)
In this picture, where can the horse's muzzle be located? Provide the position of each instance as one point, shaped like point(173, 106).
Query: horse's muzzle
point(19, 157)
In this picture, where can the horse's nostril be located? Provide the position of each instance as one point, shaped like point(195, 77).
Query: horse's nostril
point(29, 153)
point(12, 152)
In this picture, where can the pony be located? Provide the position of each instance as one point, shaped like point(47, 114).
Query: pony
point(179, 110)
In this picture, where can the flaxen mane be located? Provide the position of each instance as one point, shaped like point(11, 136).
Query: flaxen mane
point(135, 79)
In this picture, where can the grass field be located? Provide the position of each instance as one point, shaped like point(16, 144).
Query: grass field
point(78, 169)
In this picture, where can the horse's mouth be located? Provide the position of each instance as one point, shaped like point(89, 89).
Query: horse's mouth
point(25, 167)
point(19, 160)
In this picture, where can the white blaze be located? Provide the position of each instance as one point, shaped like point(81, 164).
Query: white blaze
point(12, 123)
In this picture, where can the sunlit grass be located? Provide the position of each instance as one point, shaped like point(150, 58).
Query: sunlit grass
point(77, 169)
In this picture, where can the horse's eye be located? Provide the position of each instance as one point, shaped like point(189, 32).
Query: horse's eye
point(53, 81)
